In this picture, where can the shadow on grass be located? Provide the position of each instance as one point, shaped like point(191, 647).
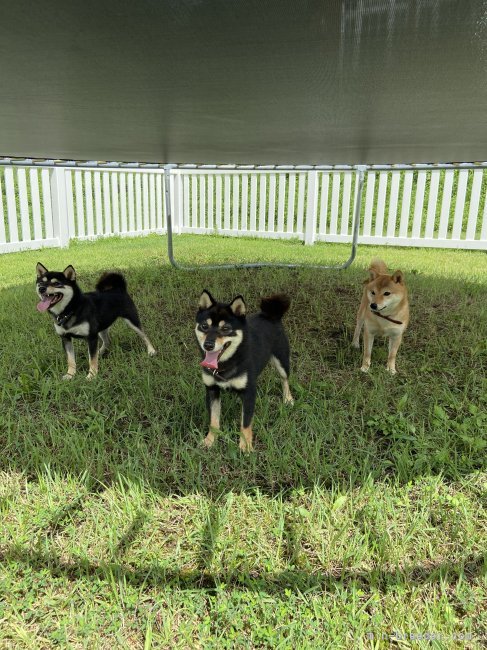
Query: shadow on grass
point(155, 575)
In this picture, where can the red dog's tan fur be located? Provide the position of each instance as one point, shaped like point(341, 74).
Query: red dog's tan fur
point(389, 295)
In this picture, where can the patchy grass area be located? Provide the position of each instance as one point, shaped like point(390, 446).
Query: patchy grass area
point(359, 520)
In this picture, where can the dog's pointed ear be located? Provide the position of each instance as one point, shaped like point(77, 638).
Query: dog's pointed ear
point(398, 277)
point(238, 306)
point(41, 269)
point(372, 275)
point(206, 300)
point(70, 273)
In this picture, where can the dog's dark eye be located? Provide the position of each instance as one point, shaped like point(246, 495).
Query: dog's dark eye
point(387, 293)
point(373, 293)
point(204, 327)
point(226, 329)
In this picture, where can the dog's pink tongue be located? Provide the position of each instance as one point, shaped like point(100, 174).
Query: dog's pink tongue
point(211, 360)
point(44, 304)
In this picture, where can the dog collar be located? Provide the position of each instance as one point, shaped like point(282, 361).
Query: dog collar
point(397, 322)
point(214, 373)
point(61, 319)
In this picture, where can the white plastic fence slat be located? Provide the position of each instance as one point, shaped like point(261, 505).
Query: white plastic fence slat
point(460, 204)
point(3, 234)
point(138, 203)
point(123, 203)
point(178, 214)
point(311, 208)
point(369, 204)
point(23, 204)
point(281, 202)
point(70, 203)
point(152, 201)
point(80, 212)
point(99, 202)
point(445, 204)
point(253, 202)
point(145, 201)
point(483, 232)
point(202, 200)
point(211, 202)
point(219, 192)
point(35, 201)
point(236, 200)
point(11, 205)
point(57, 179)
point(115, 204)
point(226, 204)
point(271, 212)
point(89, 205)
point(107, 203)
point(393, 204)
point(301, 195)
point(474, 204)
point(175, 188)
point(186, 202)
point(244, 208)
point(347, 187)
point(291, 193)
point(432, 204)
point(335, 200)
point(47, 203)
point(325, 184)
point(159, 223)
point(262, 202)
point(131, 201)
point(418, 204)
point(406, 204)
point(381, 204)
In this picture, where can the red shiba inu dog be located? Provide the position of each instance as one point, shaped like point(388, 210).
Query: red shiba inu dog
point(384, 311)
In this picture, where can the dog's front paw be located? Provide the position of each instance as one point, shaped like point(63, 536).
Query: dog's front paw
point(391, 370)
point(151, 352)
point(208, 441)
point(245, 446)
point(289, 399)
point(356, 343)
point(365, 368)
point(90, 376)
point(67, 377)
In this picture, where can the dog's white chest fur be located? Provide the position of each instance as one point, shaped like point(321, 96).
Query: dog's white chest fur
point(82, 329)
point(237, 383)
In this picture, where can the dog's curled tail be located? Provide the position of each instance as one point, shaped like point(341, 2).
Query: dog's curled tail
point(111, 282)
point(274, 307)
point(378, 267)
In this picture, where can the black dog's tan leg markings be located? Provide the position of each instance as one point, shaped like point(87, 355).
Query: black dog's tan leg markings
point(93, 352)
point(69, 348)
point(105, 340)
point(248, 406)
point(150, 348)
point(213, 403)
point(286, 392)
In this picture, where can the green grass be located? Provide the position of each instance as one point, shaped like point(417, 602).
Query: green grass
point(361, 513)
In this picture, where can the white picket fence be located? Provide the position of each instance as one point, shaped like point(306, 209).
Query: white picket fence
point(43, 206)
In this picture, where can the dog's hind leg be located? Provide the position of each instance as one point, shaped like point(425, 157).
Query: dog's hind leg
point(69, 349)
point(105, 341)
point(282, 367)
point(134, 323)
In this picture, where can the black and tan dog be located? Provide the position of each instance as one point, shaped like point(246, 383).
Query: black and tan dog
point(86, 315)
point(236, 349)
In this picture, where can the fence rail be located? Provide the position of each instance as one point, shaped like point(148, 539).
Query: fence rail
point(48, 206)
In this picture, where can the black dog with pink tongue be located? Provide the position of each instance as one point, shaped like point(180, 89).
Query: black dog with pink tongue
point(235, 349)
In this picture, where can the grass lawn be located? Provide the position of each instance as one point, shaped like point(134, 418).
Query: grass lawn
point(359, 521)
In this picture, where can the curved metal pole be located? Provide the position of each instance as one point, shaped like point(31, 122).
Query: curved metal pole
point(257, 265)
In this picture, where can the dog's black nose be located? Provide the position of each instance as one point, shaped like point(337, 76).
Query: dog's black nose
point(42, 289)
point(373, 305)
point(209, 345)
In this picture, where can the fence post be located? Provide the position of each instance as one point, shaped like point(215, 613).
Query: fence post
point(311, 208)
point(59, 206)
